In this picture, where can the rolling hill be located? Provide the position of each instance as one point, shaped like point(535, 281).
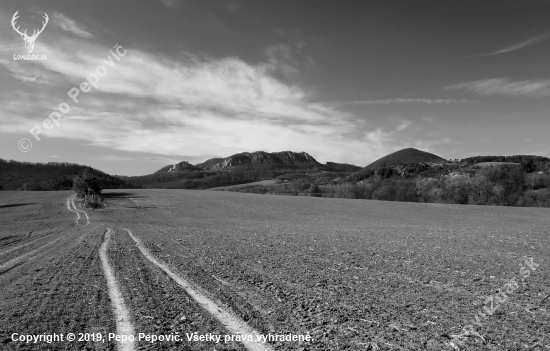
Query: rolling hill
point(404, 157)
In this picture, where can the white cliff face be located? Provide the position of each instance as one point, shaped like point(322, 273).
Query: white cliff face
point(184, 165)
point(284, 158)
point(251, 160)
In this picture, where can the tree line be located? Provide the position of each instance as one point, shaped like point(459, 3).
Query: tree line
point(503, 186)
point(26, 176)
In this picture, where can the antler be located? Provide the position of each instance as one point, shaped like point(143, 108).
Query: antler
point(35, 32)
point(13, 20)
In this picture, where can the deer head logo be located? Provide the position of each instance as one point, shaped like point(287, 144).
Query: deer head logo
point(29, 40)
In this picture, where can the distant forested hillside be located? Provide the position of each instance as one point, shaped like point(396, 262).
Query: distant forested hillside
point(521, 180)
point(16, 175)
point(516, 159)
point(195, 179)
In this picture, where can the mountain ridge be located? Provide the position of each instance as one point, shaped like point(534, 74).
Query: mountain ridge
point(241, 168)
point(254, 160)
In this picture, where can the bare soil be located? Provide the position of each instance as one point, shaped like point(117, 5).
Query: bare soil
point(354, 274)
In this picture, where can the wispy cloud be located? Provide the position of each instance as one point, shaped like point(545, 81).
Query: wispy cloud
point(69, 25)
point(170, 3)
point(182, 105)
point(515, 47)
point(29, 79)
point(404, 125)
point(504, 87)
point(409, 101)
point(195, 106)
point(428, 119)
point(232, 7)
point(288, 59)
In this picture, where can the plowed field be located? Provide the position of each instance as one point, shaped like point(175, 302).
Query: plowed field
point(348, 274)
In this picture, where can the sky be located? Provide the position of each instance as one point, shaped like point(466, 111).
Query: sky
point(346, 81)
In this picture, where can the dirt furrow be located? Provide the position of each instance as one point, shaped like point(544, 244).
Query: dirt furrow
point(232, 323)
point(18, 247)
point(29, 255)
point(123, 323)
point(25, 257)
point(60, 289)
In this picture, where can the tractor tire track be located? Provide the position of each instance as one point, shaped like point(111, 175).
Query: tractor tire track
point(231, 322)
point(70, 201)
point(122, 316)
point(81, 211)
point(70, 209)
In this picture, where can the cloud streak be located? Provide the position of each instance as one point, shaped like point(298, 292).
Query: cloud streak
point(170, 3)
point(504, 87)
point(30, 79)
point(69, 25)
point(409, 101)
point(515, 47)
